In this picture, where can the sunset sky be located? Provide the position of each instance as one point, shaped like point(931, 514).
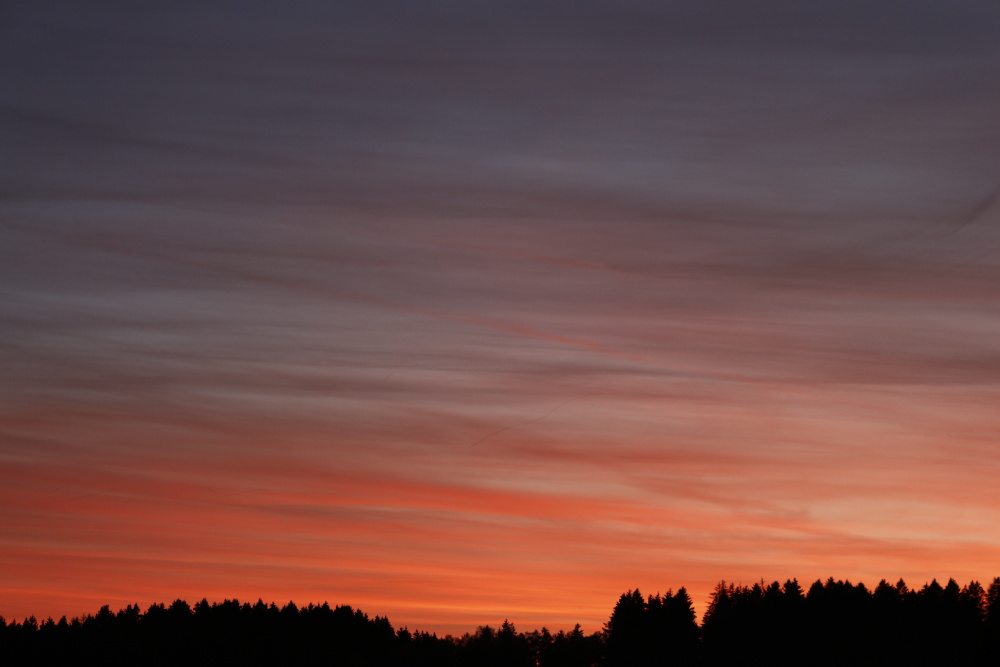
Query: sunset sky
point(460, 311)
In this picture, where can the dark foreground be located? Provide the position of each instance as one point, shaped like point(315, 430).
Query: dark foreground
point(833, 623)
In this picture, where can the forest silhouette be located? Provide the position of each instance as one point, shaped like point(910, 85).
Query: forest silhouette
point(832, 623)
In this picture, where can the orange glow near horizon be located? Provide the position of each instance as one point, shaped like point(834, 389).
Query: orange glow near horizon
point(546, 526)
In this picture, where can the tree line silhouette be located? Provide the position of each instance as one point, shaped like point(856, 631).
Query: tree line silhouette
point(833, 623)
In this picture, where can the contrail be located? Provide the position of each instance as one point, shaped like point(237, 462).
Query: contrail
point(979, 209)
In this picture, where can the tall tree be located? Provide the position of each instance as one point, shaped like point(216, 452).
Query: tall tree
point(626, 637)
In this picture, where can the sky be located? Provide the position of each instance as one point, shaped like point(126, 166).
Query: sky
point(458, 312)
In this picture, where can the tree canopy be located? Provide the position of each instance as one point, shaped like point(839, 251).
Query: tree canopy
point(834, 622)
